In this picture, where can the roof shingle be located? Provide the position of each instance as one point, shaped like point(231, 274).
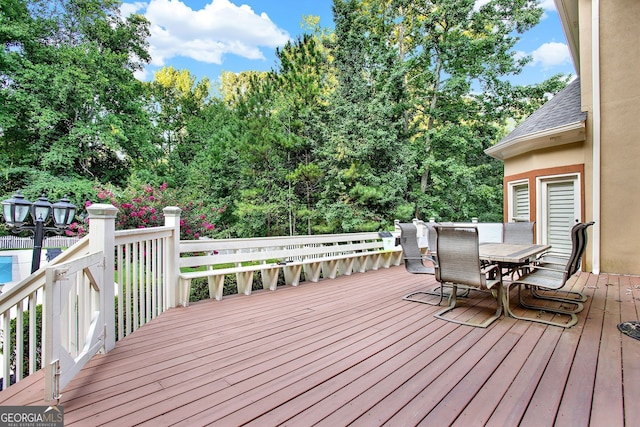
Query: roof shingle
point(563, 109)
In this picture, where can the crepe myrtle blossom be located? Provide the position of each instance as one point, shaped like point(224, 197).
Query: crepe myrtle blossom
point(141, 208)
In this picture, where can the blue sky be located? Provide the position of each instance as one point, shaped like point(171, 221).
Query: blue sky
point(207, 37)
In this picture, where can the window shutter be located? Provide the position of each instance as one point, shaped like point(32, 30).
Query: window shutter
point(560, 217)
point(521, 202)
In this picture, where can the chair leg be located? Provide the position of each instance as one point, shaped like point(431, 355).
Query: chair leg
point(437, 291)
point(410, 297)
point(452, 305)
point(580, 297)
point(573, 319)
point(463, 291)
point(532, 289)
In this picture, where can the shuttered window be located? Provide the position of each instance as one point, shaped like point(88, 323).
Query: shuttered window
point(520, 202)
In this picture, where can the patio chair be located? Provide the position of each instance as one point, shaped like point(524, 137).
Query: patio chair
point(557, 260)
point(548, 277)
point(459, 264)
point(579, 238)
point(414, 261)
point(519, 233)
point(431, 239)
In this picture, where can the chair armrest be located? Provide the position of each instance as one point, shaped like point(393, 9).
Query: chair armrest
point(491, 268)
point(551, 259)
point(420, 258)
point(545, 268)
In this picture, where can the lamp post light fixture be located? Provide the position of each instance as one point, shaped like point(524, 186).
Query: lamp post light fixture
point(15, 212)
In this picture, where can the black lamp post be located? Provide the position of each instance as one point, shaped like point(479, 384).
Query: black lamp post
point(15, 212)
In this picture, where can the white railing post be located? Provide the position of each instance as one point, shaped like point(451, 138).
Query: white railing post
point(172, 258)
point(102, 227)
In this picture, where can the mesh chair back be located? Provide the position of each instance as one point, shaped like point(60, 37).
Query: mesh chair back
point(432, 238)
point(520, 233)
point(458, 256)
point(410, 250)
point(582, 238)
point(576, 250)
point(431, 235)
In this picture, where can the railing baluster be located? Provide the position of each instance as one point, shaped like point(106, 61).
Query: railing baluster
point(19, 342)
point(33, 338)
point(154, 278)
point(85, 310)
point(136, 282)
point(120, 266)
point(6, 349)
point(164, 274)
point(154, 282)
point(147, 279)
point(128, 273)
point(67, 328)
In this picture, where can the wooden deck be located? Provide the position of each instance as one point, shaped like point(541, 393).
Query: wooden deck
point(350, 351)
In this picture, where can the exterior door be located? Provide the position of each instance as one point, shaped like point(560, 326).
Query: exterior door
point(560, 211)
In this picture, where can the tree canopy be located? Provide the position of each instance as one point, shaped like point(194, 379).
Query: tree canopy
point(385, 117)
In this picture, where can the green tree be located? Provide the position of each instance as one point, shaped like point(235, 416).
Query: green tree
point(70, 105)
point(261, 206)
point(365, 157)
point(216, 170)
point(458, 58)
point(176, 99)
point(301, 107)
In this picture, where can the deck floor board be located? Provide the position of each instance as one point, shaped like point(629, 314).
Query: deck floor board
point(350, 351)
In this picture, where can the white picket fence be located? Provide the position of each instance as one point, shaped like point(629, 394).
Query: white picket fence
point(15, 242)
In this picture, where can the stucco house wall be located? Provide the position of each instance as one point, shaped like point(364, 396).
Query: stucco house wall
point(620, 136)
point(609, 148)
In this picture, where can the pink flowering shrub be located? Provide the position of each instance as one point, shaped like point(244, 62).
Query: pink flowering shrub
point(142, 208)
point(76, 229)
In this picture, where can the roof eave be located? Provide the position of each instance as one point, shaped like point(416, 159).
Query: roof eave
point(568, 12)
point(548, 138)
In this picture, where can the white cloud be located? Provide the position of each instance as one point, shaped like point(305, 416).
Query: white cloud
point(206, 35)
point(547, 5)
point(141, 75)
point(551, 54)
point(127, 9)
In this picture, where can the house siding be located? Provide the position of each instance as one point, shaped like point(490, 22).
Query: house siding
point(615, 237)
point(620, 135)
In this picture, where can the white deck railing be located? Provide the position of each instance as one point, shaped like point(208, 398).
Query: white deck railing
point(74, 325)
point(140, 269)
point(76, 293)
point(77, 290)
point(140, 272)
point(14, 303)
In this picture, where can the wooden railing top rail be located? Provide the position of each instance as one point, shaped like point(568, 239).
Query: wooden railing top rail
point(123, 237)
point(275, 253)
point(35, 281)
point(272, 242)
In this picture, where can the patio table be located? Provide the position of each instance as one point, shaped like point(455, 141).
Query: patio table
point(510, 253)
